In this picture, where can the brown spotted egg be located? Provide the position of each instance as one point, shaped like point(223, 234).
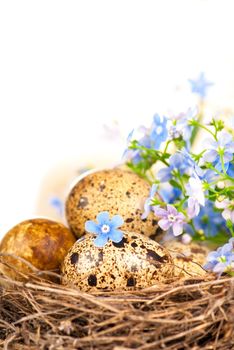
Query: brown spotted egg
point(188, 259)
point(135, 262)
point(116, 191)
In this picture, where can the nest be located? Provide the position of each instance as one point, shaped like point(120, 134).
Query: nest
point(185, 314)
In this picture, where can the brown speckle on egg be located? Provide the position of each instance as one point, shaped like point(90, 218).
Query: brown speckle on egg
point(116, 191)
point(135, 262)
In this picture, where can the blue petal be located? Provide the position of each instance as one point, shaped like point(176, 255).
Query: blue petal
point(117, 221)
point(91, 226)
point(101, 240)
point(129, 138)
point(164, 174)
point(147, 209)
point(153, 190)
point(116, 235)
point(103, 218)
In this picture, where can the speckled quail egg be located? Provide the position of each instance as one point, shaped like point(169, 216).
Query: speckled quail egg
point(135, 262)
point(42, 242)
point(114, 190)
point(188, 258)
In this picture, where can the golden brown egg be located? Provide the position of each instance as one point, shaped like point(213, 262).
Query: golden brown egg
point(188, 258)
point(135, 262)
point(42, 242)
point(116, 191)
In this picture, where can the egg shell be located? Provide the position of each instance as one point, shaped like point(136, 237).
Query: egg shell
point(188, 258)
point(135, 262)
point(42, 242)
point(117, 191)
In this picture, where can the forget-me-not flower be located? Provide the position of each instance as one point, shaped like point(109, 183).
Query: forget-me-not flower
point(158, 131)
point(208, 222)
point(170, 218)
point(169, 193)
point(194, 189)
point(221, 260)
point(200, 85)
point(180, 125)
point(228, 206)
point(105, 228)
point(178, 163)
point(223, 147)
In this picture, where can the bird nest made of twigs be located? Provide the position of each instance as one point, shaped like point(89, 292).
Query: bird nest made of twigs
point(193, 313)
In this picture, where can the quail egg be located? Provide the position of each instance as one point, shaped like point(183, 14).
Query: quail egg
point(135, 262)
point(188, 258)
point(41, 242)
point(114, 190)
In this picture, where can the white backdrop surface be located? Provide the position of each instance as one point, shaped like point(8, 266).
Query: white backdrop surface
point(68, 67)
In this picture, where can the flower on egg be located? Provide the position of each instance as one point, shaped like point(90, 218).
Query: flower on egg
point(105, 229)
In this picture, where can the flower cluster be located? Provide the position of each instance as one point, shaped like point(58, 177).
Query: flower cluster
point(195, 180)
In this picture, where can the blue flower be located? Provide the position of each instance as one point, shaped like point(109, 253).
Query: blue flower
point(158, 131)
point(170, 219)
point(224, 146)
point(105, 229)
point(194, 189)
point(151, 139)
point(147, 205)
point(58, 205)
point(200, 85)
point(209, 176)
point(169, 193)
point(230, 170)
point(221, 260)
point(196, 170)
point(180, 126)
point(209, 222)
point(177, 163)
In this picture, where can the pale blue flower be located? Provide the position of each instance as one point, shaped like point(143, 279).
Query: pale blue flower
point(200, 85)
point(151, 139)
point(180, 125)
point(169, 193)
point(105, 228)
point(194, 167)
point(147, 206)
point(194, 189)
point(221, 260)
point(177, 163)
point(224, 145)
point(228, 206)
point(170, 218)
point(158, 131)
point(209, 222)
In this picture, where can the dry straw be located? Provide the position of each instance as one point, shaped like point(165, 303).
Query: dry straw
point(185, 314)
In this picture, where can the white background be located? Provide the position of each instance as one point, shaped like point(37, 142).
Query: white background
point(67, 67)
